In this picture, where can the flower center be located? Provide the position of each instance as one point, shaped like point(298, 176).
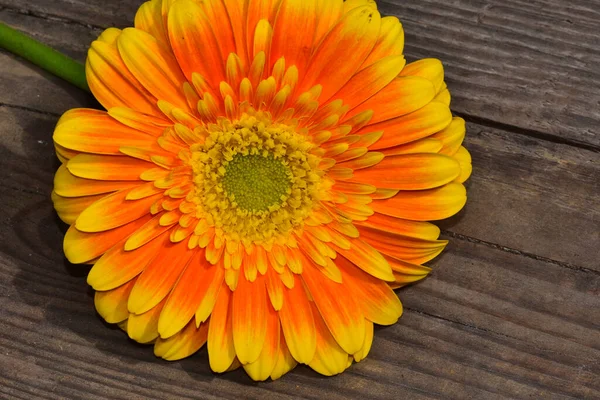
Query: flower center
point(254, 178)
point(256, 182)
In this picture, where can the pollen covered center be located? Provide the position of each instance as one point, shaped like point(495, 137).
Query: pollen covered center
point(254, 179)
point(257, 183)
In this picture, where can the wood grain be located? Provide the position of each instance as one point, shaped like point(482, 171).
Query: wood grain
point(19, 77)
point(530, 64)
point(512, 309)
point(532, 196)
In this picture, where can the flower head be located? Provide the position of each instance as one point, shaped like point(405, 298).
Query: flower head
point(260, 181)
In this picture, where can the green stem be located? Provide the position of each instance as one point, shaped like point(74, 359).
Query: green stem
point(43, 56)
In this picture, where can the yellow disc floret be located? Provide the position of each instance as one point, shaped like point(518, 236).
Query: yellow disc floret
point(255, 182)
point(254, 178)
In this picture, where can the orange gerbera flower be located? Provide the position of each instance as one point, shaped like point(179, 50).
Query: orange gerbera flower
point(260, 181)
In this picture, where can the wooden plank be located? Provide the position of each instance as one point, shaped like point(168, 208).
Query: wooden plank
point(90, 14)
point(25, 85)
point(526, 194)
point(533, 196)
point(487, 324)
point(531, 64)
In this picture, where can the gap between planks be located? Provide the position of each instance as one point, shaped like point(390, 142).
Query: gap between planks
point(50, 17)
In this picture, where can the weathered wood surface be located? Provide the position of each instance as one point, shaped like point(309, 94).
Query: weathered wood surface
point(513, 307)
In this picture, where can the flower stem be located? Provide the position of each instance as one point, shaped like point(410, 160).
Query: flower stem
point(43, 56)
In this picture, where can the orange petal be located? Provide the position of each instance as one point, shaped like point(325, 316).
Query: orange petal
point(118, 266)
point(419, 124)
point(422, 230)
point(262, 368)
point(381, 193)
point(405, 272)
point(111, 82)
point(159, 276)
point(452, 136)
point(357, 30)
point(209, 286)
point(427, 145)
point(68, 185)
point(274, 289)
point(364, 351)
point(109, 35)
point(69, 208)
point(148, 124)
point(261, 49)
point(249, 319)
point(183, 344)
point(298, 324)
point(389, 43)
point(146, 233)
point(143, 328)
point(329, 13)
point(401, 96)
point(221, 350)
point(367, 160)
point(404, 280)
point(257, 10)
point(424, 205)
point(107, 168)
point(237, 15)
point(443, 96)
point(354, 188)
point(371, 80)
point(410, 172)
point(350, 5)
point(428, 68)
point(80, 247)
point(184, 300)
point(194, 43)
point(153, 65)
point(285, 361)
point(64, 154)
point(113, 211)
point(368, 259)
point(94, 131)
point(112, 304)
point(149, 18)
point(297, 16)
point(375, 299)
point(337, 308)
point(221, 25)
point(464, 159)
point(330, 359)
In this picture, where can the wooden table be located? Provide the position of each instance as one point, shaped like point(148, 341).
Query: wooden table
point(513, 306)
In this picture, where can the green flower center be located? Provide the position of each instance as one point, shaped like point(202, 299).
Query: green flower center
point(256, 182)
point(255, 179)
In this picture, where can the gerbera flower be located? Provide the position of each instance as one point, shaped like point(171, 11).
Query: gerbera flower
point(260, 181)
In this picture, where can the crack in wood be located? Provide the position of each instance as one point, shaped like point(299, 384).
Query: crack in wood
point(50, 17)
point(519, 252)
point(464, 324)
point(32, 110)
point(548, 137)
point(486, 331)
